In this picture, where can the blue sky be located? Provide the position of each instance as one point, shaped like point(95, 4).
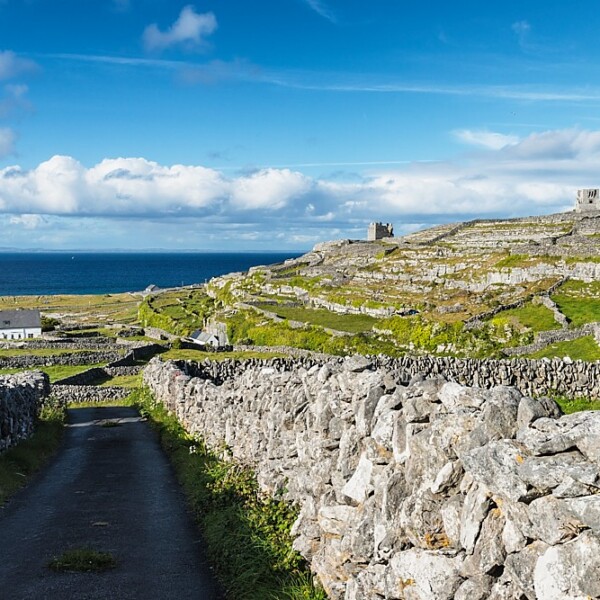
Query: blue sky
point(275, 124)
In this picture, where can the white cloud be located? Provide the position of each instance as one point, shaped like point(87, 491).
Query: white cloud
point(7, 141)
point(521, 30)
point(190, 30)
point(12, 65)
point(27, 221)
point(15, 97)
point(269, 189)
point(486, 139)
point(322, 9)
point(538, 174)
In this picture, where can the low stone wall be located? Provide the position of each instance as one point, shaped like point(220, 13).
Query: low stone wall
point(65, 394)
point(433, 491)
point(79, 358)
point(118, 371)
point(103, 344)
point(531, 377)
point(21, 397)
point(88, 377)
point(546, 301)
point(141, 353)
point(545, 338)
point(159, 334)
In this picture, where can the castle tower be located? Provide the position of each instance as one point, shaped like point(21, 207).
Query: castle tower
point(588, 200)
point(378, 231)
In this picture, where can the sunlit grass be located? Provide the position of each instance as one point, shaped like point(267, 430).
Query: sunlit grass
point(584, 348)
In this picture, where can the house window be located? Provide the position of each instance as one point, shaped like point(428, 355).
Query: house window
point(30, 335)
point(6, 322)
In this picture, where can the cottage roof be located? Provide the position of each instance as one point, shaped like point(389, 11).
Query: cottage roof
point(11, 319)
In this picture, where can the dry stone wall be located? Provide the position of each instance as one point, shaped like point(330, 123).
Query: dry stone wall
point(431, 491)
point(21, 397)
point(532, 377)
point(64, 394)
point(79, 358)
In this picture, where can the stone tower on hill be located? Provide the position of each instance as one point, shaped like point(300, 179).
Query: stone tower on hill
point(588, 200)
point(378, 231)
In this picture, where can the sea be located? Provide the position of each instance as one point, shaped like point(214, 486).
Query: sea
point(50, 273)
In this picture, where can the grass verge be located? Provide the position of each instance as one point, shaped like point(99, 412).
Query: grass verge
point(247, 534)
point(83, 560)
point(20, 462)
point(573, 405)
point(199, 355)
point(584, 348)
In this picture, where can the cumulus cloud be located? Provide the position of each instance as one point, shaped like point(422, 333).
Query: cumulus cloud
point(189, 30)
point(486, 139)
point(268, 189)
point(537, 174)
point(7, 141)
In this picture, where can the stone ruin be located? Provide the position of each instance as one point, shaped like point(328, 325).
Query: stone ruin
point(588, 200)
point(378, 231)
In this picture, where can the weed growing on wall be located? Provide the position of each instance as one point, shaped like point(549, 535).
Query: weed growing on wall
point(247, 533)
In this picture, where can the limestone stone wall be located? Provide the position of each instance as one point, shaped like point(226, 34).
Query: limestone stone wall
point(80, 358)
point(21, 397)
point(431, 491)
point(531, 377)
point(64, 394)
point(142, 352)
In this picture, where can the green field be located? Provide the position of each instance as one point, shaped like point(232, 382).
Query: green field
point(579, 301)
point(126, 381)
point(584, 348)
point(323, 318)
point(108, 308)
point(532, 316)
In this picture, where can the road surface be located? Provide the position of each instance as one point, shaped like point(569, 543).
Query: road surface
point(113, 490)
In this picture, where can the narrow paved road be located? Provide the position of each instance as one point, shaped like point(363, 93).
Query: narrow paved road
point(111, 489)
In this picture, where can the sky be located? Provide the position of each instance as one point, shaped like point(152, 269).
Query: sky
point(229, 125)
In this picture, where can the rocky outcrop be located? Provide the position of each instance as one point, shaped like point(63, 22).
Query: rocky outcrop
point(431, 491)
point(21, 398)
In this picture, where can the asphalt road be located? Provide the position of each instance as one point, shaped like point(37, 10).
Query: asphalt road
point(113, 490)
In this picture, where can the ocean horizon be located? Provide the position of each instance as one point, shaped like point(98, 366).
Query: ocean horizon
point(43, 273)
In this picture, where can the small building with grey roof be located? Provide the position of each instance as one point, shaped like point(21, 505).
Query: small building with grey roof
point(20, 324)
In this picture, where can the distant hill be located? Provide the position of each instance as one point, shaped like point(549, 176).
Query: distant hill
point(528, 286)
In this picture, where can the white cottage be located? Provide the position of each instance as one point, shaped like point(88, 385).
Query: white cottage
point(20, 324)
